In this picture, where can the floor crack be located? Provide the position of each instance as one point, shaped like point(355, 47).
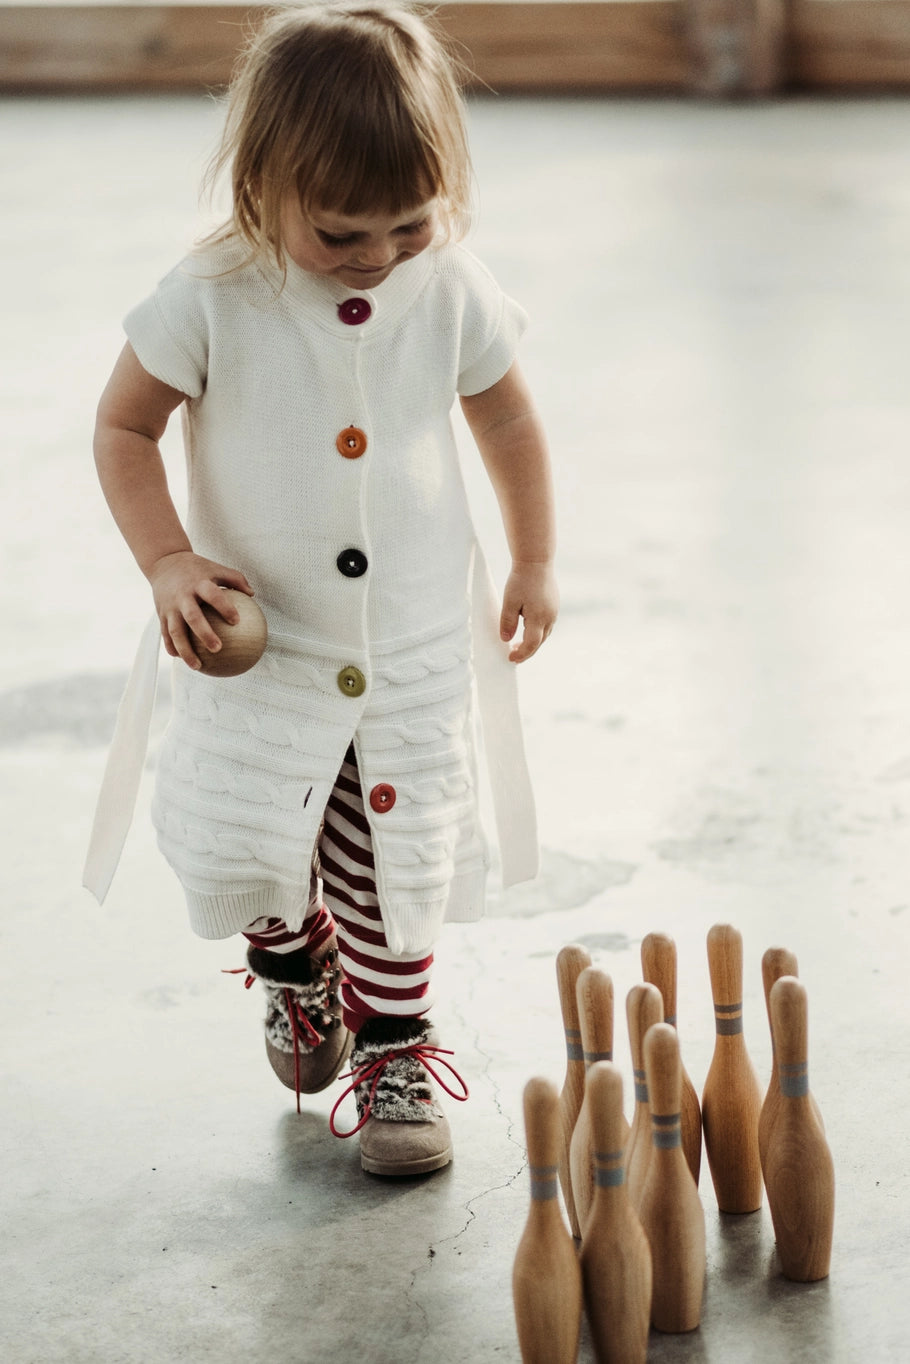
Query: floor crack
point(460, 1010)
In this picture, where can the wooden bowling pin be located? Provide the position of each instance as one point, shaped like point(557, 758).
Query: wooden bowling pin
point(546, 1278)
point(615, 1254)
point(644, 1007)
point(671, 1211)
point(658, 965)
point(732, 1098)
point(799, 1171)
point(570, 963)
point(594, 994)
point(776, 962)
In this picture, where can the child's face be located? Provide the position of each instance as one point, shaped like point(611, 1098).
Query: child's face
point(361, 251)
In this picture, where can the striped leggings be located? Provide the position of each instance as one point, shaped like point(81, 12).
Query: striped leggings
point(376, 982)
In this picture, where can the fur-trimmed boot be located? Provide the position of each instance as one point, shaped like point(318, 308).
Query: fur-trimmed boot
point(306, 1040)
point(403, 1131)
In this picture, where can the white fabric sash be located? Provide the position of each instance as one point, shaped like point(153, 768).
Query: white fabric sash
point(120, 784)
point(503, 741)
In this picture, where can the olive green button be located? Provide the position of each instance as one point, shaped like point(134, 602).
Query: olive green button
point(352, 682)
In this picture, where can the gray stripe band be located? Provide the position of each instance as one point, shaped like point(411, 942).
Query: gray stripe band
point(573, 1045)
point(544, 1184)
point(609, 1179)
point(608, 1157)
point(592, 1056)
point(794, 1081)
point(729, 1027)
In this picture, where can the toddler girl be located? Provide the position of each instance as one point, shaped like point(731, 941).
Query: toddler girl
point(324, 804)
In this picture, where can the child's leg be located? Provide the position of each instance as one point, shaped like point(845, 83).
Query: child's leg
point(384, 997)
point(376, 984)
point(305, 1038)
point(273, 935)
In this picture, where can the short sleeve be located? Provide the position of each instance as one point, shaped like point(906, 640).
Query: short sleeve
point(492, 326)
point(169, 333)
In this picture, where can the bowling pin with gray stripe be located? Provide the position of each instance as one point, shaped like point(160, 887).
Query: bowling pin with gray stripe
point(776, 962)
point(615, 1255)
point(546, 1278)
point(799, 1170)
point(570, 963)
point(594, 995)
point(644, 1007)
point(732, 1098)
point(671, 1211)
point(658, 965)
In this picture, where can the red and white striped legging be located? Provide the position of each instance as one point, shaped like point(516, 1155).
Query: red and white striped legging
point(376, 982)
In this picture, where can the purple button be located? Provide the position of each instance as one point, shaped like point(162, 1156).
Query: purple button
point(353, 311)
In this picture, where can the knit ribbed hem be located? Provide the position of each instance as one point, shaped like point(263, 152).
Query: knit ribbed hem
point(416, 927)
point(413, 928)
point(230, 912)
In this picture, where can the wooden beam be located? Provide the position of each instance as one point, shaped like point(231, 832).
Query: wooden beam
point(716, 46)
point(621, 45)
point(120, 47)
point(851, 44)
point(552, 46)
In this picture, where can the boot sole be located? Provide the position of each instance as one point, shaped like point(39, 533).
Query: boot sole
point(391, 1168)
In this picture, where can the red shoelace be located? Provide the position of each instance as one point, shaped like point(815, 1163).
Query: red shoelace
point(298, 1021)
point(372, 1070)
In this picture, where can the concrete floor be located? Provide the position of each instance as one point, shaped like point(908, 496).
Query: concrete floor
point(720, 731)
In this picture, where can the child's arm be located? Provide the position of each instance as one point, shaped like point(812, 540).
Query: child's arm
point(513, 447)
point(132, 416)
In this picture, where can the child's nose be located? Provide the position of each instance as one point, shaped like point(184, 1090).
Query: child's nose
point(377, 253)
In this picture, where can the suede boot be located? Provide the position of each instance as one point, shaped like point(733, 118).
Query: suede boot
point(306, 1040)
point(403, 1131)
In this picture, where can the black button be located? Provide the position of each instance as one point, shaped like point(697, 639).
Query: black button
point(352, 563)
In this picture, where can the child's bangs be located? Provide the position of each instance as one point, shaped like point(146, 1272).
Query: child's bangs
point(372, 176)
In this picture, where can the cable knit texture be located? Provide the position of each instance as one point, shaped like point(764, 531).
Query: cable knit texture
point(273, 377)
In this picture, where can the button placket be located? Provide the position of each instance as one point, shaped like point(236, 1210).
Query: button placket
point(351, 443)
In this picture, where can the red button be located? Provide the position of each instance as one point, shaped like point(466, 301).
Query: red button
point(351, 442)
point(353, 311)
point(382, 798)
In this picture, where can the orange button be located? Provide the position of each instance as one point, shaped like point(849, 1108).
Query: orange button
point(382, 798)
point(351, 442)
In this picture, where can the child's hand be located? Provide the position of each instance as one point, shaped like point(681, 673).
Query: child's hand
point(179, 583)
point(531, 593)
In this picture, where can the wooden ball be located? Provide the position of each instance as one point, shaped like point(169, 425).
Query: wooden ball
point(242, 645)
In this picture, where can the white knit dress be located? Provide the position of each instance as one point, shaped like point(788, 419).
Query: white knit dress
point(321, 462)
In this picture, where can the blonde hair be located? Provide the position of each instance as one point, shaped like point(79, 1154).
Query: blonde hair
point(355, 108)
